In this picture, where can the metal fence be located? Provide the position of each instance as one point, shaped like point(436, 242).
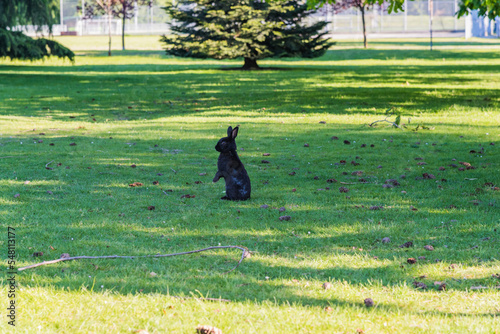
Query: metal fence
point(147, 20)
point(414, 19)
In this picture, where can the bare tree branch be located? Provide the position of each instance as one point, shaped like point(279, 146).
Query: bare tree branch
point(245, 253)
point(208, 299)
point(387, 121)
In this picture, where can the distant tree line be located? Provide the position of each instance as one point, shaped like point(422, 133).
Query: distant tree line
point(220, 29)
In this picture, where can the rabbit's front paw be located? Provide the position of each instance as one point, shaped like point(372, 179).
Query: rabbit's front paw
point(217, 177)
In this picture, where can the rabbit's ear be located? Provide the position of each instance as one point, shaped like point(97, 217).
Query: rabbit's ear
point(234, 132)
point(229, 131)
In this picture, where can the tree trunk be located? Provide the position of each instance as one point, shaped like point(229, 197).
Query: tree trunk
point(250, 64)
point(362, 9)
point(109, 34)
point(123, 32)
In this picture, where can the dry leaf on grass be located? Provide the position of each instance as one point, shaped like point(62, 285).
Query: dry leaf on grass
point(205, 329)
point(136, 184)
point(343, 190)
point(419, 285)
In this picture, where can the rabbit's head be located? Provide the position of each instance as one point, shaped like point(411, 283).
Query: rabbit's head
point(228, 143)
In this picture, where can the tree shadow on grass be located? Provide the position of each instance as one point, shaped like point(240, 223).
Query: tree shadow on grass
point(255, 280)
point(461, 52)
point(123, 53)
point(85, 93)
point(438, 43)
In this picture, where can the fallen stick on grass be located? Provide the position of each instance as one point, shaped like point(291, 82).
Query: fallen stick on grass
point(207, 299)
point(385, 120)
point(245, 253)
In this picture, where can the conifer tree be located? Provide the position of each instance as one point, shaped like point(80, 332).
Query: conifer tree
point(250, 29)
point(17, 45)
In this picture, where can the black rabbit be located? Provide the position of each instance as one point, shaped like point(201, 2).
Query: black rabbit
point(231, 168)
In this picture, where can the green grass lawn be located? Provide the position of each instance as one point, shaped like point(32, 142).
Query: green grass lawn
point(164, 115)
